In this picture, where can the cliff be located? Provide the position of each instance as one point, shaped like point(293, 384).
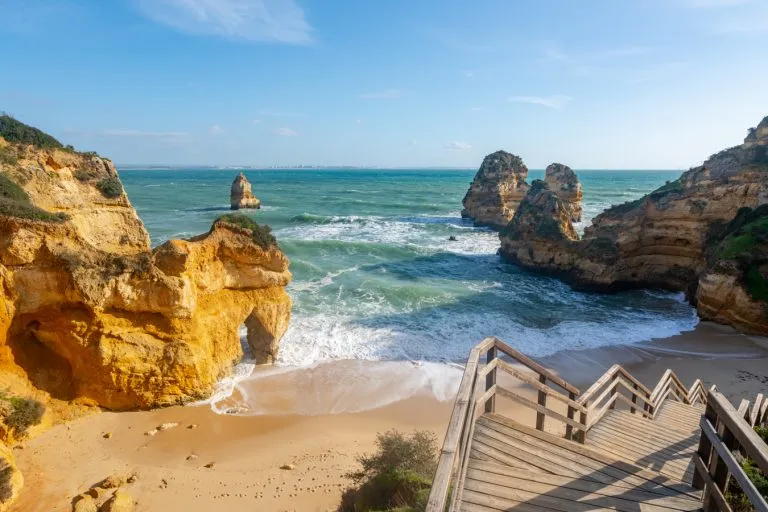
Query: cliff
point(658, 241)
point(497, 189)
point(90, 312)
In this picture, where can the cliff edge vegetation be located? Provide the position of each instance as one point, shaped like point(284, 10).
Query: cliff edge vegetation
point(703, 233)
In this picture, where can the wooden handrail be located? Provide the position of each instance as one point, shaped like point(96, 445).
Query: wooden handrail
point(723, 431)
point(479, 388)
point(454, 455)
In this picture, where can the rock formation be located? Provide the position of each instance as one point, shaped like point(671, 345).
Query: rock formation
point(11, 479)
point(661, 240)
point(734, 288)
point(497, 189)
point(565, 184)
point(88, 310)
point(241, 195)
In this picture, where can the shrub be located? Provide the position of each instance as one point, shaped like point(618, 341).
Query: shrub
point(14, 202)
point(8, 156)
point(20, 133)
point(84, 174)
point(397, 477)
point(261, 234)
point(110, 187)
point(20, 413)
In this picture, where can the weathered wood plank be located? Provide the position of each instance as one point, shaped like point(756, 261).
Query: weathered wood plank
point(629, 470)
point(496, 474)
point(612, 473)
point(536, 407)
point(534, 383)
point(533, 365)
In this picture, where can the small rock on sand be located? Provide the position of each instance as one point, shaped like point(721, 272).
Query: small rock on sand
point(210, 465)
point(107, 435)
point(288, 467)
point(151, 432)
point(113, 482)
point(85, 503)
point(192, 457)
point(192, 426)
point(121, 501)
point(132, 478)
point(167, 426)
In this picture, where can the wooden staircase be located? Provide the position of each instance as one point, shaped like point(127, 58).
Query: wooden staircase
point(622, 446)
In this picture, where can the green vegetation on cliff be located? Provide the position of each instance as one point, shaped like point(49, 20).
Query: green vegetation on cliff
point(15, 202)
point(261, 234)
point(397, 477)
point(109, 187)
point(19, 414)
point(744, 241)
point(20, 133)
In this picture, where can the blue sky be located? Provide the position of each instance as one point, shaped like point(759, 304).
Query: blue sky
point(590, 83)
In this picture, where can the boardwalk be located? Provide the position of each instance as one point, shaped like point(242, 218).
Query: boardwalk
point(622, 446)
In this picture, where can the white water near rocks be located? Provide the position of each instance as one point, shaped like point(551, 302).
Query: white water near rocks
point(379, 289)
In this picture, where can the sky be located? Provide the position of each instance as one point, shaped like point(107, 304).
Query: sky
point(594, 84)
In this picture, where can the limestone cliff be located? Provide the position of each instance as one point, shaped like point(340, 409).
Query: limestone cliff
point(565, 184)
point(734, 288)
point(658, 241)
point(497, 189)
point(241, 196)
point(89, 311)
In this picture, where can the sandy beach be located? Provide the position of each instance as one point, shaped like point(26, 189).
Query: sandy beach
point(215, 461)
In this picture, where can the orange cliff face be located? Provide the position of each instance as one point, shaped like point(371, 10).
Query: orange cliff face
point(88, 310)
point(675, 238)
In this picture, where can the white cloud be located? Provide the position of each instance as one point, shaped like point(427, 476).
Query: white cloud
point(469, 74)
point(257, 121)
point(557, 101)
point(388, 94)
point(279, 21)
point(475, 109)
point(358, 121)
point(458, 146)
point(285, 132)
point(143, 134)
point(216, 130)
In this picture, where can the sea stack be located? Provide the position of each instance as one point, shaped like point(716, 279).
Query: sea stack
point(496, 191)
point(563, 181)
point(704, 234)
point(241, 195)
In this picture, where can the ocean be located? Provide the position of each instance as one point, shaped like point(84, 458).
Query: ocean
point(377, 279)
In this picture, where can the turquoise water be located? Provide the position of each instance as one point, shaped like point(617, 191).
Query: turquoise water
point(375, 277)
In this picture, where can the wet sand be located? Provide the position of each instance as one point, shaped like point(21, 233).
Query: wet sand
point(248, 452)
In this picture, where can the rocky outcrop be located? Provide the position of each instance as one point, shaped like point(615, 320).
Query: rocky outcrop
point(658, 241)
point(88, 310)
point(241, 196)
point(11, 479)
point(496, 191)
point(734, 288)
point(565, 184)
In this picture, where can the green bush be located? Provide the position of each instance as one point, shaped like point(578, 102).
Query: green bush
point(261, 234)
point(734, 495)
point(14, 202)
point(20, 413)
point(20, 133)
point(8, 156)
point(395, 478)
point(110, 187)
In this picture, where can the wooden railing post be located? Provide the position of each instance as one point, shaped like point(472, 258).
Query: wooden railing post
point(490, 381)
point(571, 414)
point(542, 402)
point(614, 391)
point(705, 449)
point(634, 399)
